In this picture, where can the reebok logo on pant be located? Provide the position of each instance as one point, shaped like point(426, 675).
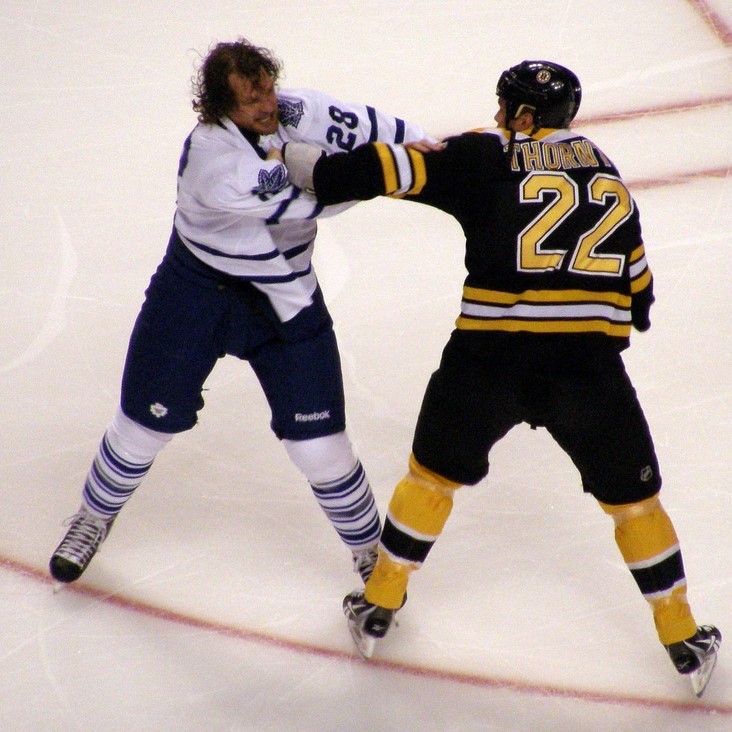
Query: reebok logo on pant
point(312, 417)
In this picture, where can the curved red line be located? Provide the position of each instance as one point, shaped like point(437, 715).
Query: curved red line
point(715, 22)
point(486, 682)
point(723, 31)
point(659, 109)
point(678, 178)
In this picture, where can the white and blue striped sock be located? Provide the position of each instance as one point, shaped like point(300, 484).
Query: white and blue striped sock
point(111, 480)
point(124, 457)
point(350, 507)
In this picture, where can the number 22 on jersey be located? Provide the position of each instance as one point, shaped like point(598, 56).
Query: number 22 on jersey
point(562, 197)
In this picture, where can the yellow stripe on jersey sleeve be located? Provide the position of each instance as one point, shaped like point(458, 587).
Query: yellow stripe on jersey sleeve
point(637, 254)
point(419, 172)
point(388, 167)
point(640, 274)
point(641, 283)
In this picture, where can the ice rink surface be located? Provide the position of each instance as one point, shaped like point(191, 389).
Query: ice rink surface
point(215, 603)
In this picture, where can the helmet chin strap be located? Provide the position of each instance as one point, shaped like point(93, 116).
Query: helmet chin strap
point(511, 145)
point(512, 138)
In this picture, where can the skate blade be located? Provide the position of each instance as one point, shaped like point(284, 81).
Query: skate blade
point(57, 587)
point(364, 643)
point(700, 678)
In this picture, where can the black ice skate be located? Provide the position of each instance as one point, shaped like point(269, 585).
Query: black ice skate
point(366, 621)
point(696, 656)
point(82, 541)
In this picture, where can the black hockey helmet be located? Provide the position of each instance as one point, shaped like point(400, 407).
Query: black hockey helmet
point(553, 92)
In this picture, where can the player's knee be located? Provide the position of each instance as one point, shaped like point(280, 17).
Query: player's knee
point(643, 530)
point(433, 480)
point(322, 459)
point(422, 500)
point(134, 442)
point(626, 512)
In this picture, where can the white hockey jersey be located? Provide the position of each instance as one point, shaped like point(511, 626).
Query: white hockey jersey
point(237, 211)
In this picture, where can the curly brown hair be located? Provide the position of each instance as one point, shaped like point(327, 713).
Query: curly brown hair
point(212, 95)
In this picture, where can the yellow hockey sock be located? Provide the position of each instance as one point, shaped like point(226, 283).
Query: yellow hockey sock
point(418, 510)
point(422, 501)
point(647, 540)
point(388, 582)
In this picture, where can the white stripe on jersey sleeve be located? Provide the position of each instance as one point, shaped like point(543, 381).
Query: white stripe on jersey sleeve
point(405, 171)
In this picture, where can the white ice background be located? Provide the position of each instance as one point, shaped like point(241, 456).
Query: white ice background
point(215, 603)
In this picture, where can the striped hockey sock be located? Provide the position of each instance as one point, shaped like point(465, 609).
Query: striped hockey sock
point(124, 457)
point(419, 508)
point(648, 542)
point(350, 507)
point(111, 480)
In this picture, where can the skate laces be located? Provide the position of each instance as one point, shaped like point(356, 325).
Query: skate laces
point(86, 532)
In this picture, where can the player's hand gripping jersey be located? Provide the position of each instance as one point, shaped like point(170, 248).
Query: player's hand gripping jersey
point(237, 211)
point(553, 239)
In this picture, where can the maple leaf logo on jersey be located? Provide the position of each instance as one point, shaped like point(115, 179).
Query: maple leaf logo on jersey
point(290, 113)
point(270, 182)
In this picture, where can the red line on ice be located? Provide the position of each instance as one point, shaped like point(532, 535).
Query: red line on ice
point(252, 636)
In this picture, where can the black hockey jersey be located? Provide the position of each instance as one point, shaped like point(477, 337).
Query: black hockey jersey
point(553, 238)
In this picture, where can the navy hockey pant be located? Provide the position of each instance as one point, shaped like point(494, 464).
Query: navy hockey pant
point(193, 315)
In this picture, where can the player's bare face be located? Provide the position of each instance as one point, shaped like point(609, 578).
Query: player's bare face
point(256, 104)
point(523, 121)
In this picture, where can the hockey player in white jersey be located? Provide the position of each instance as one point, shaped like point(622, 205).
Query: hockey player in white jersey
point(237, 279)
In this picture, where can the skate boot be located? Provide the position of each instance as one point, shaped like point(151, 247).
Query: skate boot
point(366, 621)
point(83, 539)
point(364, 561)
point(696, 656)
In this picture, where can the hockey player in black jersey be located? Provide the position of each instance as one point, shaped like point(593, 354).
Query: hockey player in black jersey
point(557, 276)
